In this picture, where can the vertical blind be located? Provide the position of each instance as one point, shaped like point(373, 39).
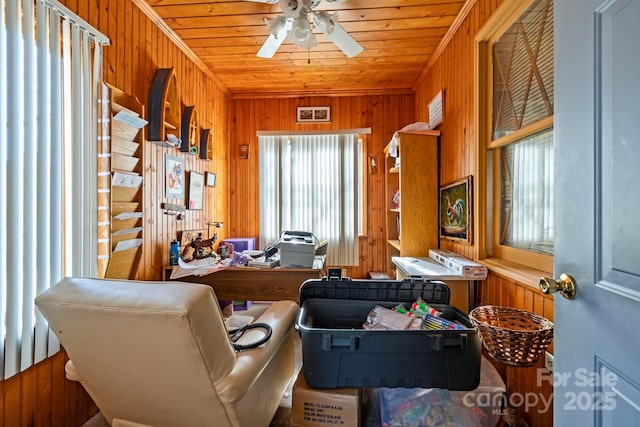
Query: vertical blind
point(50, 67)
point(311, 183)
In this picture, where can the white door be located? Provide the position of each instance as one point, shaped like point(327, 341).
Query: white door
point(597, 190)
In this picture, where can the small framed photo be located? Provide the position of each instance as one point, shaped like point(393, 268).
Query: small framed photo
point(455, 211)
point(210, 179)
point(174, 177)
point(313, 114)
point(196, 190)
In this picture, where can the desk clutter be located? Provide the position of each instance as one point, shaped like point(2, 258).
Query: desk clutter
point(197, 256)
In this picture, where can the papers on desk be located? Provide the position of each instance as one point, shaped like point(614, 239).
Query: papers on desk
point(198, 267)
point(198, 263)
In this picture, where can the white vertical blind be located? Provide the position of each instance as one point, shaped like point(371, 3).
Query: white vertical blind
point(3, 179)
point(44, 170)
point(47, 129)
point(311, 183)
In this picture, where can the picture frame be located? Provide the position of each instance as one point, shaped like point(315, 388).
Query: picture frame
point(313, 114)
point(456, 205)
point(210, 179)
point(174, 175)
point(196, 191)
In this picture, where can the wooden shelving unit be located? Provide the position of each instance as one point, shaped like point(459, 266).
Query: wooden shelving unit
point(164, 109)
point(412, 191)
point(206, 146)
point(127, 135)
point(190, 131)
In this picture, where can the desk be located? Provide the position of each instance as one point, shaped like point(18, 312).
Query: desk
point(262, 284)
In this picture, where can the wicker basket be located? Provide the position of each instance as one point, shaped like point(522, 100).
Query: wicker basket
point(512, 336)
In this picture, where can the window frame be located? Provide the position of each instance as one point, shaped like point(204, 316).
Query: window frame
point(488, 158)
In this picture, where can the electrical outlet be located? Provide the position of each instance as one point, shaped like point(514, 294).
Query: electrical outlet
point(548, 361)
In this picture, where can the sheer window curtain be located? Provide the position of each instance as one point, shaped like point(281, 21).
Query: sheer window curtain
point(51, 62)
point(311, 183)
point(529, 179)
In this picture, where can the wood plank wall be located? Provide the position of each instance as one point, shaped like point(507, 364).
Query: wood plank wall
point(383, 113)
point(498, 290)
point(41, 395)
point(453, 73)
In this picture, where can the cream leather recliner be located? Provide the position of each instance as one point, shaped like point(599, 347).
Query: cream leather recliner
point(158, 353)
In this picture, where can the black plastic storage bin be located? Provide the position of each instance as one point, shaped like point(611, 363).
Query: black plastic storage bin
point(337, 352)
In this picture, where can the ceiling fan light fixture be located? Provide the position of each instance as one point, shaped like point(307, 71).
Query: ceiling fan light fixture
point(290, 8)
point(308, 42)
point(296, 23)
point(275, 25)
point(325, 22)
point(300, 30)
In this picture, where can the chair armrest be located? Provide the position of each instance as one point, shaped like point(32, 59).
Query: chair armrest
point(250, 364)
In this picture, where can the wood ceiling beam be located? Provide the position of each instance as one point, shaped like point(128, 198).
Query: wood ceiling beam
point(430, 35)
point(256, 12)
point(351, 27)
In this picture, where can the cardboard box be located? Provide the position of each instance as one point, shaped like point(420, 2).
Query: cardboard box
point(459, 264)
point(441, 255)
point(466, 268)
point(325, 407)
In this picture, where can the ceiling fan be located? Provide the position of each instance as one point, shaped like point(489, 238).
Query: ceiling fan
point(295, 25)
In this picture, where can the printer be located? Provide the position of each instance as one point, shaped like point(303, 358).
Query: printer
point(298, 249)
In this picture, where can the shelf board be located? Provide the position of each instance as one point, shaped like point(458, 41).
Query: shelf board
point(394, 243)
point(164, 144)
point(170, 126)
point(396, 210)
point(395, 169)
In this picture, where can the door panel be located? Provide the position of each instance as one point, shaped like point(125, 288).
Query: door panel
point(597, 137)
point(619, 98)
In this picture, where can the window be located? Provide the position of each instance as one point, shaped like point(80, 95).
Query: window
point(515, 77)
point(47, 184)
point(313, 183)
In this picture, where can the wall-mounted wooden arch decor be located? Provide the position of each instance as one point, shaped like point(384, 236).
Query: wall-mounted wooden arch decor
point(206, 147)
point(190, 131)
point(164, 108)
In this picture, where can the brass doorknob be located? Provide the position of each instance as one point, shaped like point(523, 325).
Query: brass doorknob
point(566, 285)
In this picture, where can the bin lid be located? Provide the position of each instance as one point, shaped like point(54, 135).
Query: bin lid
point(401, 291)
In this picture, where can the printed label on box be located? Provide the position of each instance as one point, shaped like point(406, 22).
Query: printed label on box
point(316, 407)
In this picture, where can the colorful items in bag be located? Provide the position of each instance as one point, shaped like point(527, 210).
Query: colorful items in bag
point(402, 310)
point(421, 309)
point(438, 323)
point(383, 318)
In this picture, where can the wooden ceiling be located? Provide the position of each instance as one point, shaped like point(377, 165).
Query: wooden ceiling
point(399, 38)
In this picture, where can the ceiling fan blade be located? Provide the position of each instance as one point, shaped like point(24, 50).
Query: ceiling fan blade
point(344, 41)
point(272, 44)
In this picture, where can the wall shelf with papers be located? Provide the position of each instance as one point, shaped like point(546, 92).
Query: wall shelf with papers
point(126, 219)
